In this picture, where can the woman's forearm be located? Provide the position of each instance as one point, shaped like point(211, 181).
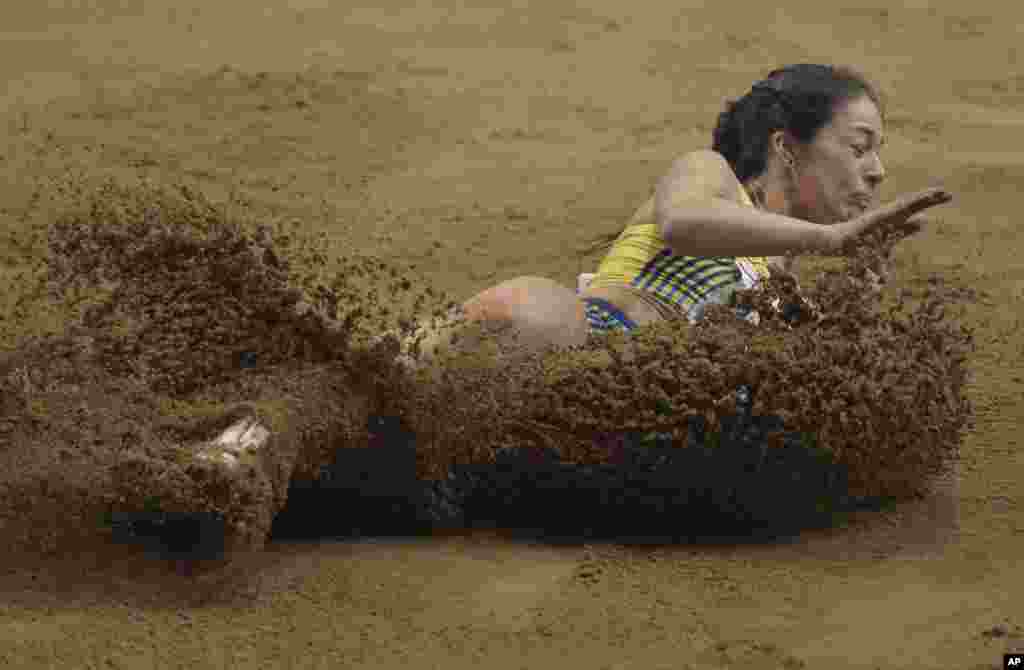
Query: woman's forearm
point(721, 227)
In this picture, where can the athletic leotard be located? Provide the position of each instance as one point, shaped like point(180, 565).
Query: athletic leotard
point(639, 258)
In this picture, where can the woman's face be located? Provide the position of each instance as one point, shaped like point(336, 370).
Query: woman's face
point(839, 173)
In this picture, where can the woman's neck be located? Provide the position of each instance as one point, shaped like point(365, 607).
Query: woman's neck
point(767, 196)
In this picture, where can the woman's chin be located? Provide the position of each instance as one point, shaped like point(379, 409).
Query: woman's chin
point(847, 215)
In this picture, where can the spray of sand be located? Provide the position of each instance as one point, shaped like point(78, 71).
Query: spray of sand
point(177, 322)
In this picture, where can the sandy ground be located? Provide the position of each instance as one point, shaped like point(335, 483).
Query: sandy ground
point(485, 141)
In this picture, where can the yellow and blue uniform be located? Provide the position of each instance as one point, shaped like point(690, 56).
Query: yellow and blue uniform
point(684, 285)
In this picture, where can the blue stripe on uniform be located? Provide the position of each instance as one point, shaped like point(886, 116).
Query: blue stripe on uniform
point(684, 279)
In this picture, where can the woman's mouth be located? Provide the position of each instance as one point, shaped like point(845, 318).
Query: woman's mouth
point(862, 204)
point(863, 201)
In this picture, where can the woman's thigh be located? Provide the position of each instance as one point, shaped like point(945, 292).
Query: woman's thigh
point(540, 310)
point(535, 312)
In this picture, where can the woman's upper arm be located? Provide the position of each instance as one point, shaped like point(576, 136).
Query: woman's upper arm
point(698, 176)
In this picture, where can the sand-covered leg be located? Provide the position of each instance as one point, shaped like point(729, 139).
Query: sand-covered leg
point(244, 439)
point(232, 466)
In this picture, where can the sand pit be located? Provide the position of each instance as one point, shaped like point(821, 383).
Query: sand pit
point(477, 144)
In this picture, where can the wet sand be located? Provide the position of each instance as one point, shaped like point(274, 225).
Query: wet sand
point(484, 142)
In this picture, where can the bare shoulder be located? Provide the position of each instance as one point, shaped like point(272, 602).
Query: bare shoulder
point(705, 158)
point(698, 175)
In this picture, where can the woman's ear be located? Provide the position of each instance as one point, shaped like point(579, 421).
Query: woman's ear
point(783, 146)
point(789, 155)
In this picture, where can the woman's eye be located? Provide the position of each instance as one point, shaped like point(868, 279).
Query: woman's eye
point(859, 150)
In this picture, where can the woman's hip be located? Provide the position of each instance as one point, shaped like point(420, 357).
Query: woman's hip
point(634, 306)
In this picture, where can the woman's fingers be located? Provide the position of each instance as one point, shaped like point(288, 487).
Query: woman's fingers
point(929, 198)
point(911, 226)
point(917, 202)
point(893, 217)
point(897, 215)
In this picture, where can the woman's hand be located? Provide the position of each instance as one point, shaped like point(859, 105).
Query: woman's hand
point(891, 221)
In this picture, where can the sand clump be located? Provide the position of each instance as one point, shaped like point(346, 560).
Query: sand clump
point(179, 321)
point(857, 397)
point(853, 402)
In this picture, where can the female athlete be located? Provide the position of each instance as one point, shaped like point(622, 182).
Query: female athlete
point(794, 167)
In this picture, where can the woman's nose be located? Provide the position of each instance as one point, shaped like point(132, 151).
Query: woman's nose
point(876, 172)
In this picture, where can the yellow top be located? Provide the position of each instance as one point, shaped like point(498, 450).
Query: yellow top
point(640, 258)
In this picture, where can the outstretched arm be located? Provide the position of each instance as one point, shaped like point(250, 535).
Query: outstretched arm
point(697, 207)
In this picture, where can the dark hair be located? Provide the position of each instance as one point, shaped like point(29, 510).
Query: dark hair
point(798, 98)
